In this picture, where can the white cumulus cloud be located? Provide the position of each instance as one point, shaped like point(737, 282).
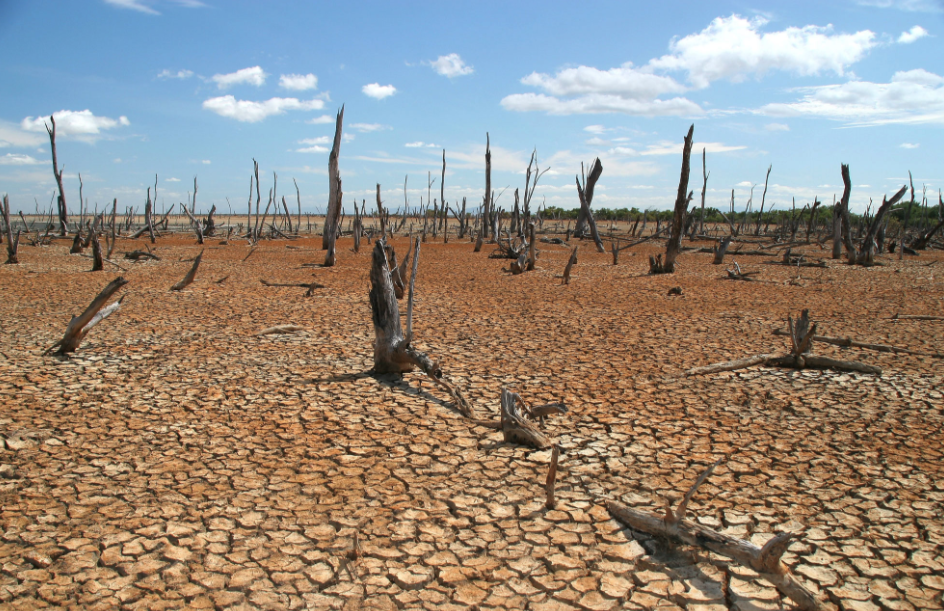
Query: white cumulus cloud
point(378, 91)
point(450, 65)
point(734, 48)
point(912, 35)
point(298, 82)
point(250, 76)
point(625, 81)
point(599, 103)
point(251, 112)
point(79, 123)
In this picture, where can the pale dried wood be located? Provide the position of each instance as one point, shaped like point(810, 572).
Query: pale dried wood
point(281, 329)
point(190, 275)
point(80, 325)
point(915, 317)
point(851, 343)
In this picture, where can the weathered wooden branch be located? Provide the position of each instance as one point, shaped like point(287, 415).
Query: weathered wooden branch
point(57, 173)
point(851, 343)
point(866, 253)
point(720, 249)
point(137, 255)
point(281, 329)
point(916, 317)
point(80, 325)
point(766, 561)
point(190, 275)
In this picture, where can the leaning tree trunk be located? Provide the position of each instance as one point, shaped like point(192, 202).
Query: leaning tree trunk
point(681, 208)
point(585, 194)
point(866, 254)
point(330, 234)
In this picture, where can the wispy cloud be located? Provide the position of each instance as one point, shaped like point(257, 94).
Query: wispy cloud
point(369, 127)
point(450, 65)
point(378, 91)
point(909, 145)
point(911, 6)
point(420, 144)
point(180, 74)
point(911, 97)
point(14, 159)
point(13, 135)
point(255, 76)
point(135, 5)
point(251, 112)
point(323, 119)
point(298, 82)
point(912, 35)
point(777, 127)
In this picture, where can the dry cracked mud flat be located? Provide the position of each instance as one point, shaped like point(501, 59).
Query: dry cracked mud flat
point(179, 460)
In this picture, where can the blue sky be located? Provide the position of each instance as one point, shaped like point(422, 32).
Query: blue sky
point(184, 88)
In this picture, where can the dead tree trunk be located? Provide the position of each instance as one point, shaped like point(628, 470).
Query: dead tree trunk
point(866, 254)
point(487, 207)
point(98, 261)
point(844, 212)
point(80, 325)
point(516, 427)
point(393, 351)
point(190, 275)
point(704, 187)
point(765, 560)
point(585, 194)
point(63, 211)
point(12, 242)
point(330, 234)
point(720, 249)
point(681, 207)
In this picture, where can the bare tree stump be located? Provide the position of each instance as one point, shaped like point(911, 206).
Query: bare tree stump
point(719, 250)
point(98, 261)
point(550, 502)
point(393, 350)
point(190, 275)
point(515, 425)
point(96, 312)
point(570, 264)
point(765, 560)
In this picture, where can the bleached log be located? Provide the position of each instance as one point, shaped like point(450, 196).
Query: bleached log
point(281, 329)
point(515, 425)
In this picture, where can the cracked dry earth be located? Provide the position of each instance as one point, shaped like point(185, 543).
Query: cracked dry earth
point(181, 461)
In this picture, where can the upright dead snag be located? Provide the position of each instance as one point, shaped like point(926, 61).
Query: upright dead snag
point(98, 264)
point(57, 173)
point(190, 275)
point(866, 254)
point(333, 213)
point(678, 221)
point(765, 560)
point(12, 242)
point(80, 325)
point(719, 250)
point(486, 207)
point(585, 193)
point(393, 351)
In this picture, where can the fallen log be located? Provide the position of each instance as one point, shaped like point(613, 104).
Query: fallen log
point(281, 329)
point(915, 317)
point(96, 312)
point(801, 341)
point(764, 560)
point(850, 343)
point(137, 255)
